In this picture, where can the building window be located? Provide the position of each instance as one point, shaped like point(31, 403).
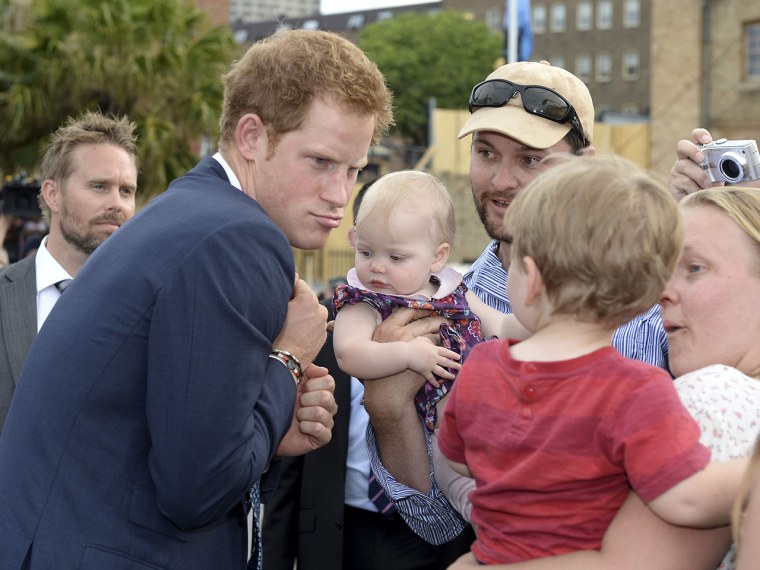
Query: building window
point(752, 43)
point(559, 17)
point(604, 15)
point(584, 16)
point(631, 14)
point(494, 20)
point(539, 19)
point(583, 67)
point(384, 15)
point(355, 21)
point(311, 25)
point(603, 67)
point(241, 36)
point(558, 61)
point(631, 65)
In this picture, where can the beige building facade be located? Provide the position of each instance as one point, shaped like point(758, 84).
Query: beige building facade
point(705, 72)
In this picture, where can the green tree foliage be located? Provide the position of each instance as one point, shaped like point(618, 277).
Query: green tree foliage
point(159, 62)
point(423, 56)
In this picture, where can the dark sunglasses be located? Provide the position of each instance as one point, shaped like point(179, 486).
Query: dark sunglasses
point(537, 100)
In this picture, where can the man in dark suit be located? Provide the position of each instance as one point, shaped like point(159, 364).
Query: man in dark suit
point(320, 516)
point(89, 172)
point(169, 374)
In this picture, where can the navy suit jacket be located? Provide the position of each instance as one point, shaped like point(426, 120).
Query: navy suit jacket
point(148, 405)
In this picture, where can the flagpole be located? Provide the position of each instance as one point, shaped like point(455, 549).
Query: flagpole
point(512, 32)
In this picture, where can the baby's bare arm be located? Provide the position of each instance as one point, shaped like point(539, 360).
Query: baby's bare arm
point(705, 499)
point(496, 323)
point(362, 357)
point(399, 431)
point(430, 360)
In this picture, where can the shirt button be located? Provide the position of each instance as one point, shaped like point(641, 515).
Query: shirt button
point(525, 412)
point(529, 392)
point(530, 368)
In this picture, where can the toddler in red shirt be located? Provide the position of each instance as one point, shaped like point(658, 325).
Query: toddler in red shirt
point(557, 428)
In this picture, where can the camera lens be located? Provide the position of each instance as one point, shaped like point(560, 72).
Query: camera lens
point(731, 170)
point(731, 167)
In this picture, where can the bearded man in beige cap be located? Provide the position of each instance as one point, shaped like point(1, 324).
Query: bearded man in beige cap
point(522, 114)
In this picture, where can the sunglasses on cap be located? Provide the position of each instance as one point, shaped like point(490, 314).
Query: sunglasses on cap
point(537, 100)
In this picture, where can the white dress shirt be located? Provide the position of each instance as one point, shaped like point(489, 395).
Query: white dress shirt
point(49, 272)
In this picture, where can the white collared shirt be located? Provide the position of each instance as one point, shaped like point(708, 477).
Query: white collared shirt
point(49, 272)
point(228, 170)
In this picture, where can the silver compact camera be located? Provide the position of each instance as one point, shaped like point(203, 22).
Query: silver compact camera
point(732, 162)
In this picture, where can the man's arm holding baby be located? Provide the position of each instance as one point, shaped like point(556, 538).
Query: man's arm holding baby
point(636, 539)
point(398, 442)
point(390, 403)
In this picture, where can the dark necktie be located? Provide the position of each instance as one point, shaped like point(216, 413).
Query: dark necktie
point(254, 501)
point(61, 285)
point(379, 498)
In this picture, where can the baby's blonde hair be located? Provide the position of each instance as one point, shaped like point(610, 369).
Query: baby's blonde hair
point(415, 189)
point(604, 233)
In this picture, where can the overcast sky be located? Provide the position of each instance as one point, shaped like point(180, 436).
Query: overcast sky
point(339, 6)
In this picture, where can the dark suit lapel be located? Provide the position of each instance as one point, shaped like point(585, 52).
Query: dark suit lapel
point(18, 312)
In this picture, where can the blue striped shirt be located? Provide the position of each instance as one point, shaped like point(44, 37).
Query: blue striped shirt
point(431, 516)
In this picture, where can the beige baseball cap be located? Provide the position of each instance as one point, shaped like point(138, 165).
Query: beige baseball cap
point(515, 122)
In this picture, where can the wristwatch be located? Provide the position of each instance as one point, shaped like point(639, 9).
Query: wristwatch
point(290, 361)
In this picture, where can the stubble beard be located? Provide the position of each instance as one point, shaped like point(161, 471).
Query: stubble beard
point(493, 228)
point(84, 239)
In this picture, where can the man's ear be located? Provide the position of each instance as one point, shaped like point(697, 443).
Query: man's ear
point(51, 194)
point(535, 287)
point(440, 258)
point(250, 135)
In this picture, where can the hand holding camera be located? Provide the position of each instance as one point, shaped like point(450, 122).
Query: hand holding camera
point(698, 164)
point(731, 162)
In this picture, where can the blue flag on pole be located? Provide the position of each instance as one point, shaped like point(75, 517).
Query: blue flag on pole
point(524, 33)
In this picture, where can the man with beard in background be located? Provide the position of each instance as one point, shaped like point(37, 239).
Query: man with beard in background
point(89, 173)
